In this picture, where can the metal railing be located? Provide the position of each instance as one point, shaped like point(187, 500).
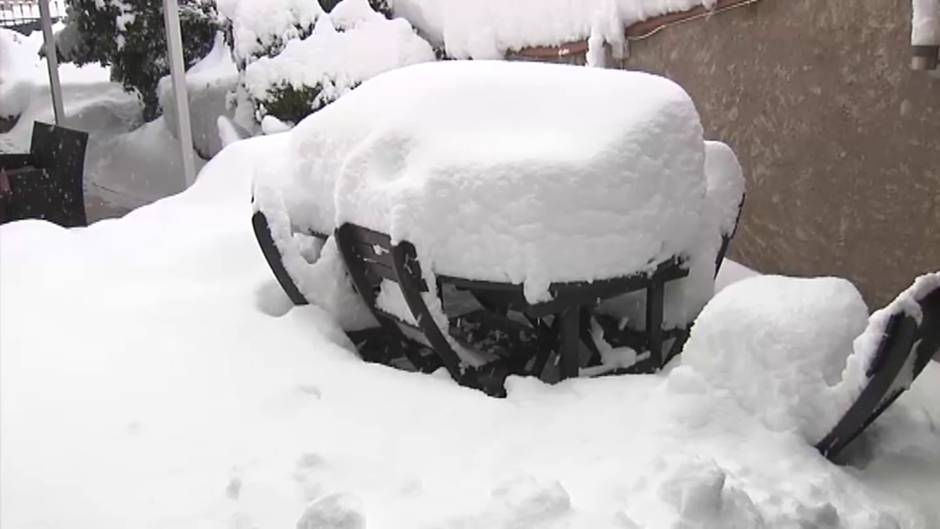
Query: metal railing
point(14, 13)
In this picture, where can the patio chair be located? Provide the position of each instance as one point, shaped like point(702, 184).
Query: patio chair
point(47, 182)
point(906, 346)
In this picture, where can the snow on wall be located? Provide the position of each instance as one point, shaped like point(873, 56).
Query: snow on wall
point(925, 23)
point(486, 29)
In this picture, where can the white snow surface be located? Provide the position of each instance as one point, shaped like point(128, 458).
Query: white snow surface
point(731, 272)
point(337, 61)
point(486, 29)
point(795, 351)
point(23, 73)
point(780, 345)
point(260, 26)
point(208, 83)
point(477, 165)
point(152, 374)
point(925, 22)
point(685, 297)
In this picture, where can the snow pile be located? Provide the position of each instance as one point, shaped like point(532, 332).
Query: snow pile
point(334, 59)
point(478, 166)
point(154, 356)
point(730, 273)
point(17, 60)
point(23, 74)
point(705, 499)
point(795, 352)
point(725, 187)
point(925, 23)
point(780, 345)
point(486, 29)
point(263, 28)
point(209, 83)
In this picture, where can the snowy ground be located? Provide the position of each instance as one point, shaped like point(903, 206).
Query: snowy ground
point(153, 375)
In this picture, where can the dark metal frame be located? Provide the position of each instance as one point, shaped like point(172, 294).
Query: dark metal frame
point(559, 323)
point(560, 326)
point(678, 335)
point(259, 222)
point(903, 337)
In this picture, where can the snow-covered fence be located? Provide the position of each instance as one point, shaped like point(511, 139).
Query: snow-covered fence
point(22, 12)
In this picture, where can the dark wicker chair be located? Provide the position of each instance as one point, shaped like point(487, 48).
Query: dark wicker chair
point(47, 182)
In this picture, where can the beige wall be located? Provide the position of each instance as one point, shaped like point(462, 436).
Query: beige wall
point(839, 139)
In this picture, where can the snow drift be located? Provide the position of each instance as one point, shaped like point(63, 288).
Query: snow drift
point(152, 374)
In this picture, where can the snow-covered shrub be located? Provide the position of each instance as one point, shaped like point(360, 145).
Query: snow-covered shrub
point(255, 29)
point(379, 6)
point(129, 36)
point(208, 84)
point(346, 47)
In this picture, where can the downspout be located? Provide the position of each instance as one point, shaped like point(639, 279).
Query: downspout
point(925, 34)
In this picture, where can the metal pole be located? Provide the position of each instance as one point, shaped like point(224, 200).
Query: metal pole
point(174, 45)
point(52, 61)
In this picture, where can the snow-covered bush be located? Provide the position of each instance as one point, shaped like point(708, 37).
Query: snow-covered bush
point(295, 58)
point(379, 6)
point(256, 29)
point(129, 36)
point(208, 84)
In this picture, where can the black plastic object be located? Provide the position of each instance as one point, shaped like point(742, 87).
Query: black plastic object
point(271, 254)
point(555, 327)
point(905, 342)
point(47, 182)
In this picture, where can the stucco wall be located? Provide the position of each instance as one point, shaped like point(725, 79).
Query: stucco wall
point(839, 139)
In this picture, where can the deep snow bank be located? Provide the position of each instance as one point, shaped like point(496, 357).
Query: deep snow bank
point(145, 383)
